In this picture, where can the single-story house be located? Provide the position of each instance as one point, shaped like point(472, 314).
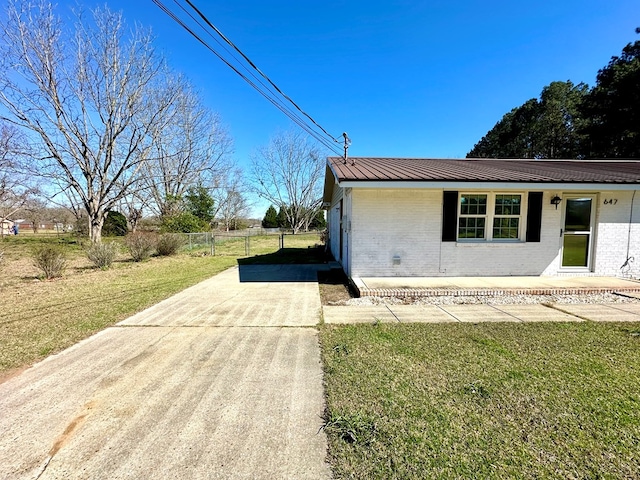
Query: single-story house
point(483, 217)
point(6, 227)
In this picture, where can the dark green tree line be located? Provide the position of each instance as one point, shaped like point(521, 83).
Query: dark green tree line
point(573, 121)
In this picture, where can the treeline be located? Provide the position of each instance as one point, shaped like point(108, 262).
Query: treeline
point(575, 121)
point(285, 218)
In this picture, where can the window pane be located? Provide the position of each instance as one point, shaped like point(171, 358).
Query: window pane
point(575, 251)
point(506, 228)
point(508, 204)
point(473, 205)
point(471, 227)
point(578, 214)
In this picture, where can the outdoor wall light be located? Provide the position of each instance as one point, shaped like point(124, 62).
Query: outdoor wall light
point(556, 201)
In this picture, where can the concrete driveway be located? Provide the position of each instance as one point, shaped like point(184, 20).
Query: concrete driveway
point(207, 384)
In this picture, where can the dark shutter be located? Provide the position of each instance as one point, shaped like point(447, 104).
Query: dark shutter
point(449, 216)
point(534, 216)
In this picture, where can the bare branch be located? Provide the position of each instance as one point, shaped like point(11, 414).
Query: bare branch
point(288, 173)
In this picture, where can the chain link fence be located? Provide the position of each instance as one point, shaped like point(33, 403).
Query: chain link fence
point(234, 244)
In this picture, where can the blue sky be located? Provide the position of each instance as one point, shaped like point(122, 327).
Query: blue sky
point(403, 78)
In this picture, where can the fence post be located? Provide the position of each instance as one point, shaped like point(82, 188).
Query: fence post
point(190, 247)
point(213, 245)
point(246, 246)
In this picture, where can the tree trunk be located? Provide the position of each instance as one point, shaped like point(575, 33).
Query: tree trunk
point(95, 231)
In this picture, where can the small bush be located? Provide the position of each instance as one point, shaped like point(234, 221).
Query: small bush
point(183, 223)
point(115, 225)
point(169, 244)
point(102, 254)
point(140, 245)
point(52, 260)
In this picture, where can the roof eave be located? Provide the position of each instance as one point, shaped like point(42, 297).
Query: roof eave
point(484, 185)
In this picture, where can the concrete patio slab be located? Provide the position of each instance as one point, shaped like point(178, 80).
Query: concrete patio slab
point(477, 313)
point(602, 312)
point(537, 313)
point(357, 314)
point(628, 307)
point(421, 314)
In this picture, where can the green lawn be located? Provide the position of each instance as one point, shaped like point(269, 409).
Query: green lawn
point(483, 401)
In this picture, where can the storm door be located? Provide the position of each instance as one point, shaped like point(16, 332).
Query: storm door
point(577, 234)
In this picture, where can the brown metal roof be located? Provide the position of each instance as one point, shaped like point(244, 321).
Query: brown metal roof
point(485, 170)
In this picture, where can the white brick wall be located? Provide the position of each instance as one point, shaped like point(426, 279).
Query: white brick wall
point(388, 223)
point(406, 224)
point(612, 234)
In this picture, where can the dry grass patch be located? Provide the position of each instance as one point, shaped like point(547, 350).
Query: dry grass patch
point(43, 317)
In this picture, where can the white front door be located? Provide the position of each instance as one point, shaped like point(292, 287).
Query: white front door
point(577, 232)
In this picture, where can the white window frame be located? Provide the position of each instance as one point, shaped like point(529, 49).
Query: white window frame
point(491, 215)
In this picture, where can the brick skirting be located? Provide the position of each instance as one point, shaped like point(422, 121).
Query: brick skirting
point(458, 292)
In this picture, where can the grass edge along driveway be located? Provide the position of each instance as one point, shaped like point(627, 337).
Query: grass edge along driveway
point(547, 400)
point(45, 317)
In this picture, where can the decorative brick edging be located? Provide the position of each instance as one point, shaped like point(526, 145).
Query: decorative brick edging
point(455, 292)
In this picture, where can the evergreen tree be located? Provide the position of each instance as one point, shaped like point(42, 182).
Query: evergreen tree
point(115, 225)
point(613, 107)
point(199, 203)
point(270, 219)
point(318, 222)
point(282, 219)
point(545, 128)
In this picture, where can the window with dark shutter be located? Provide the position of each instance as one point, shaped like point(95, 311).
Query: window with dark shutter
point(449, 216)
point(534, 216)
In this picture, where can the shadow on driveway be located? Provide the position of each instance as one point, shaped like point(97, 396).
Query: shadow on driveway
point(285, 265)
point(279, 273)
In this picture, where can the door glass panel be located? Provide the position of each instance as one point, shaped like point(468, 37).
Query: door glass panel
point(578, 215)
point(576, 251)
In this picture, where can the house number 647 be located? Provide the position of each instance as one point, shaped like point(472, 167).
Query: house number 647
point(610, 201)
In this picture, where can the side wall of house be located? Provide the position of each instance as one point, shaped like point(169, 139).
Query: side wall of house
point(398, 232)
point(395, 232)
point(618, 234)
point(334, 223)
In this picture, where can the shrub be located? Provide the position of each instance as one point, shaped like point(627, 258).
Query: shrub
point(169, 244)
point(102, 254)
point(115, 225)
point(183, 223)
point(52, 260)
point(140, 245)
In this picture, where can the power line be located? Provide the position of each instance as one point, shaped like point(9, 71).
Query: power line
point(269, 90)
point(266, 94)
point(256, 68)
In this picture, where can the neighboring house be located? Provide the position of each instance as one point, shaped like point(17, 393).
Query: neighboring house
point(480, 217)
point(6, 227)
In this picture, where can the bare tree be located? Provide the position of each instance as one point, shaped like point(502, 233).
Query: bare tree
point(191, 147)
point(229, 194)
point(62, 218)
point(133, 206)
point(93, 96)
point(288, 173)
point(15, 185)
point(35, 210)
